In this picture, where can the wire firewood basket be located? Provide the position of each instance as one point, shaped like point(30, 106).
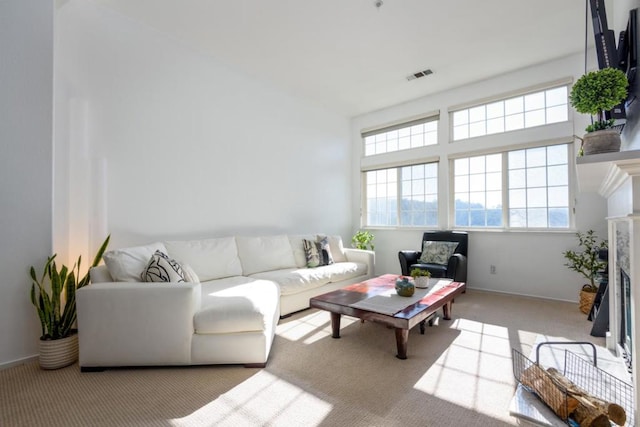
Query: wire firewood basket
point(579, 393)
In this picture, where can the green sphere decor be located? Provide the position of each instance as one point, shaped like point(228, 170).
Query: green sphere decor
point(597, 92)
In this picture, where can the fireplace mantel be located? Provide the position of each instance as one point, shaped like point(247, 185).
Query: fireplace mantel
point(596, 172)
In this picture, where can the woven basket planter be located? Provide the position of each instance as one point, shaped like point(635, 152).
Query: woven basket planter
point(56, 354)
point(586, 301)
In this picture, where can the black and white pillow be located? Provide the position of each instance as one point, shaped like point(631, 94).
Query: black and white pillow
point(325, 251)
point(161, 268)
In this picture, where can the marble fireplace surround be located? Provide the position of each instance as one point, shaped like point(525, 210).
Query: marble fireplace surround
point(616, 177)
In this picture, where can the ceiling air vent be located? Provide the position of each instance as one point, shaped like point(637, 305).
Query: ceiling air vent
point(419, 74)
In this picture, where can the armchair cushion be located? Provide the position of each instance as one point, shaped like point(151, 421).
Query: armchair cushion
point(437, 252)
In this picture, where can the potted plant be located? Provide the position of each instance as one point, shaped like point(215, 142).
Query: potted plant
point(420, 277)
point(363, 240)
point(595, 93)
point(587, 263)
point(54, 297)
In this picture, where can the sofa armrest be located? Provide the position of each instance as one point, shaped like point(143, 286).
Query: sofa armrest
point(364, 256)
point(457, 268)
point(99, 274)
point(134, 323)
point(407, 259)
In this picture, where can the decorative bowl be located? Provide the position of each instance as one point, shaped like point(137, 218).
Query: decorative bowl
point(404, 287)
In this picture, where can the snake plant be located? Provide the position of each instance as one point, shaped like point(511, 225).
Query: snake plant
point(55, 286)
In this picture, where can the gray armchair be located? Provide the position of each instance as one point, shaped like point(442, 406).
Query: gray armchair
point(453, 267)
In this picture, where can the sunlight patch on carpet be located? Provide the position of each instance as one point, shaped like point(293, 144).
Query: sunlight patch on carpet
point(263, 399)
point(310, 328)
point(479, 358)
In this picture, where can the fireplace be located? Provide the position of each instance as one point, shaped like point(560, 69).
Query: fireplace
point(616, 177)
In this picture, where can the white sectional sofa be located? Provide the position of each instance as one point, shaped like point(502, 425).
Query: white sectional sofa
point(227, 315)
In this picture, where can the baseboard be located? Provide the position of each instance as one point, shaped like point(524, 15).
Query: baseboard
point(493, 291)
point(17, 362)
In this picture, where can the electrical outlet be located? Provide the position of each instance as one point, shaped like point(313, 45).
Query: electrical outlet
point(492, 269)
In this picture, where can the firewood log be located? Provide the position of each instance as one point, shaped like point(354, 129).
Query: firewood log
point(589, 416)
point(614, 412)
point(554, 396)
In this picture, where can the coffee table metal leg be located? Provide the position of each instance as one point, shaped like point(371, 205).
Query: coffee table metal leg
point(446, 311)
point(335, 325)
point(402, 338)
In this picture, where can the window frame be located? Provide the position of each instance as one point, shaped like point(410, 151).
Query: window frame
point(506, 97)
point(364, 212)
point(504, 151)
point(433, 116)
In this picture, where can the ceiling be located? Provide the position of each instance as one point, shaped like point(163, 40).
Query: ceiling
point(353, 57)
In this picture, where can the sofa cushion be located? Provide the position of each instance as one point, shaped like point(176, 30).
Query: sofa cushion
point(298, 248)
point(265, 253)
point(236, 304)
point(437, 252)
point(126, 265)
point(294, 280)
point(209, 258)
point(161, 268)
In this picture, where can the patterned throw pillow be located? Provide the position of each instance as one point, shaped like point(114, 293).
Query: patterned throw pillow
point(437, 252)
point(325, 251)
point(161, 268)
point(311, 253)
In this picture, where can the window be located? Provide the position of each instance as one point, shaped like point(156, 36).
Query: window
point(478, 191)
point(403, 196)
point(520, 112)
point(539, 187)
point(413, 134)
point(537, 182)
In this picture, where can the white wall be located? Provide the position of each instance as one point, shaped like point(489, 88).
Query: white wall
point(188, 146)
point(528, 263)
point(26, 113)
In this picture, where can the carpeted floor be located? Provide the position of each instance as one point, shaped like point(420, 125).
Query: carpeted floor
point(457, 374)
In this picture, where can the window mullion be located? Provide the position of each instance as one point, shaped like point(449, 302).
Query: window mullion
point(399, 196)
point(505, 192)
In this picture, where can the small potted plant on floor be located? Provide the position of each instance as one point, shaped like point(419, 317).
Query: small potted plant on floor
point(420, 277)
point(588, 264)
point(363, 240)
point(595, 93)
point(54, 296)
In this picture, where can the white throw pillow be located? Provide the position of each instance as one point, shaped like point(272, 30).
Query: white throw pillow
point(210, 258)
point(161, 268)
point(189, 274)
point(125, 265)
point(259, 254)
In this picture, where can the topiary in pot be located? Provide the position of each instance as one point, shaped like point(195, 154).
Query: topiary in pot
point(595, 93)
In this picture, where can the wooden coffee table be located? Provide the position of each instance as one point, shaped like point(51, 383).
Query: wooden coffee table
point(340, 302)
